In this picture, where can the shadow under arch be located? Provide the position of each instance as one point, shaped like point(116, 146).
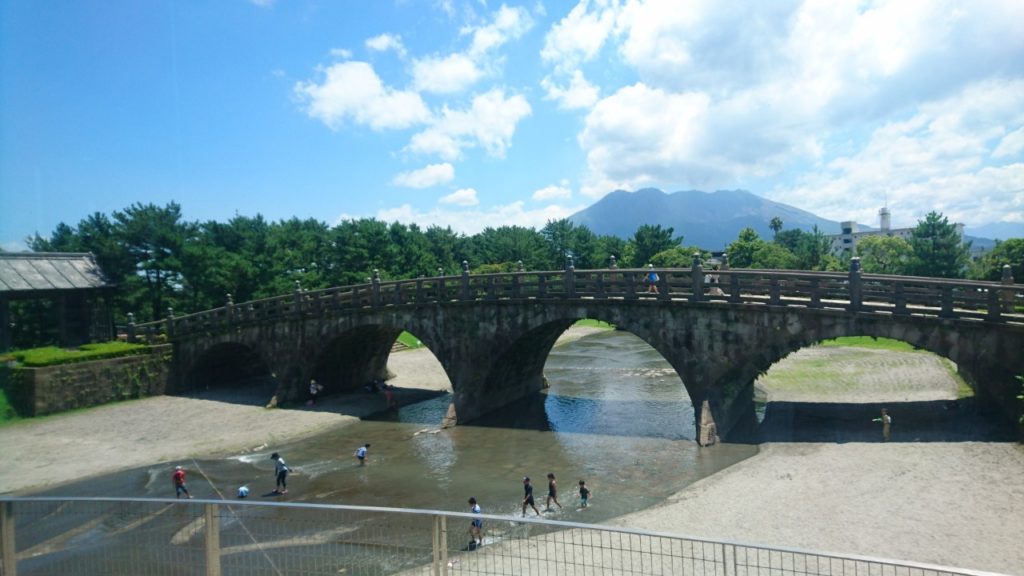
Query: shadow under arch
point(356, 361)
point(916, 387)
point(608, 381)
point(230, 372)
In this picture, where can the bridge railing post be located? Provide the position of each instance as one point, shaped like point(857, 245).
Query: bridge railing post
point(995, 307)
point(170, 322)
point(131, 328)
point(229, 309)
point(947, 302)
point(1007, 294)
point(815, 293)
point(297, 299)
point(697, 278)
point(774, 291)
point(375, 288)
point(570, 278)
point(734, 288)
point(516, 279)
point(464, 288)
point(854, 284)
point(900, 299)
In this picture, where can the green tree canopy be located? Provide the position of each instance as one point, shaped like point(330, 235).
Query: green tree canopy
point(884, 254)
point(990, 265)
point(938, 249)
point(648, 240)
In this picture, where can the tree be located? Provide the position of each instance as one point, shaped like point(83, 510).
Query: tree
point(775, 225)
point(649, 240)
point(741, 251)
point(154, 239)
point(938, 249)
point(884, 254)
point(990, 266)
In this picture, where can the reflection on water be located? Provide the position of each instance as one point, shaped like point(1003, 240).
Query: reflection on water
point(615, 414)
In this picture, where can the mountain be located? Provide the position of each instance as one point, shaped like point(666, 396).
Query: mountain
point(997, 230)
point(708, 220)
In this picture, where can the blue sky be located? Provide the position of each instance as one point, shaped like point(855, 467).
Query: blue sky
point(477, 113)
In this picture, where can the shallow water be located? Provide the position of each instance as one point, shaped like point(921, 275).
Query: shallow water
point(615, 414)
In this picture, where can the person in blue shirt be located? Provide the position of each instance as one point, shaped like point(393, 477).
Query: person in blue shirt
point(476, 527)
point(651, 279)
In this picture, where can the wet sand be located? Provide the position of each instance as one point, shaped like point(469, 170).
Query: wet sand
point(954, 503)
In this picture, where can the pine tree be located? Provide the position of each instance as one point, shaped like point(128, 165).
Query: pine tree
point(938, 249)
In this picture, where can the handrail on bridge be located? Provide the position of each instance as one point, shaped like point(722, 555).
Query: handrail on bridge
point(85, 535)
point(999, 302)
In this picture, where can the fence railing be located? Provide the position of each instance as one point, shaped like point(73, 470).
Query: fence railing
point(85, 536)
point(1001, 302)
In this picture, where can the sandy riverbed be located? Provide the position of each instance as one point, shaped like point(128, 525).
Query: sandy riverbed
point(955, 503)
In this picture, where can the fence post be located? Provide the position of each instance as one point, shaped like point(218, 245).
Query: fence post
point(297, 297)
point(901, 300)
point(854, 286)
point(131, 328)
point(947, 302)
point(439, 545)
point(212, 540)
point(464, 289)
point(7, 548)
point(697, 278)
point(515, 279)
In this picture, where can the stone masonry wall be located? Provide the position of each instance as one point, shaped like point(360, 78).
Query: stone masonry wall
point(53, 389)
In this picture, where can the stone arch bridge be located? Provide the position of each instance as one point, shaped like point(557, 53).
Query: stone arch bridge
point(492, 333)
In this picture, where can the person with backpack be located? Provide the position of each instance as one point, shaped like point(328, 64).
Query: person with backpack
point(651, 279)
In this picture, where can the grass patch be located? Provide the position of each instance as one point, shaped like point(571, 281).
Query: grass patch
point(869, 342)
point(591, 323)
point(52, 355)
point(410, 341)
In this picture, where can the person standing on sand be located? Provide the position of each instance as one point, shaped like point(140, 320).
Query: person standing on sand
point(528, 496)
point(476, 527)
point(314, 390)
point(179, 483)
point(281, 472)
point(886, 421)
point(552, 492)
point(361, 454)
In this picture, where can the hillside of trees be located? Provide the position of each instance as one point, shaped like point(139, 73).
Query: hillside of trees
point(159, 260)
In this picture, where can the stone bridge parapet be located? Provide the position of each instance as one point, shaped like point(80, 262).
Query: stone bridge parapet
point(492, 333)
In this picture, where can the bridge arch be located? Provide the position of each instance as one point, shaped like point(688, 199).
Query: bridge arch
point(225, 364)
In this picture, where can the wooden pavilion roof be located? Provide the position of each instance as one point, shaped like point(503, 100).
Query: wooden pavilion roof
point(24, 273)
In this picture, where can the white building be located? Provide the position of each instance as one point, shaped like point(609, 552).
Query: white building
point(847, 240)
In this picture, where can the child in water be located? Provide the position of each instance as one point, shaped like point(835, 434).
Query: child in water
point(584, 494)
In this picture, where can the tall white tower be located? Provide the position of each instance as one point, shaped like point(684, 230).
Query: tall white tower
point(884, 217)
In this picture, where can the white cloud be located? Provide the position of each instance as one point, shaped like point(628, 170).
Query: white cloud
point(579, 93)
point(552, 193)
point(644, 136)
point(475, 220)
point(385, 42)
point(489, 123)
point(342, 53)
point(1011, 145)
point(425, 177)
point(938, 159)
point(352, 90)
point(507, 24)
point(453, 73)
point(579, 36)
point(461, 197)
point(263, 3)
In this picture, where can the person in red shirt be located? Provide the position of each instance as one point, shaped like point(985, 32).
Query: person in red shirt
point(179, 482)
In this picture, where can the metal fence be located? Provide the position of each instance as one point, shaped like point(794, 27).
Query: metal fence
point(84, 536)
